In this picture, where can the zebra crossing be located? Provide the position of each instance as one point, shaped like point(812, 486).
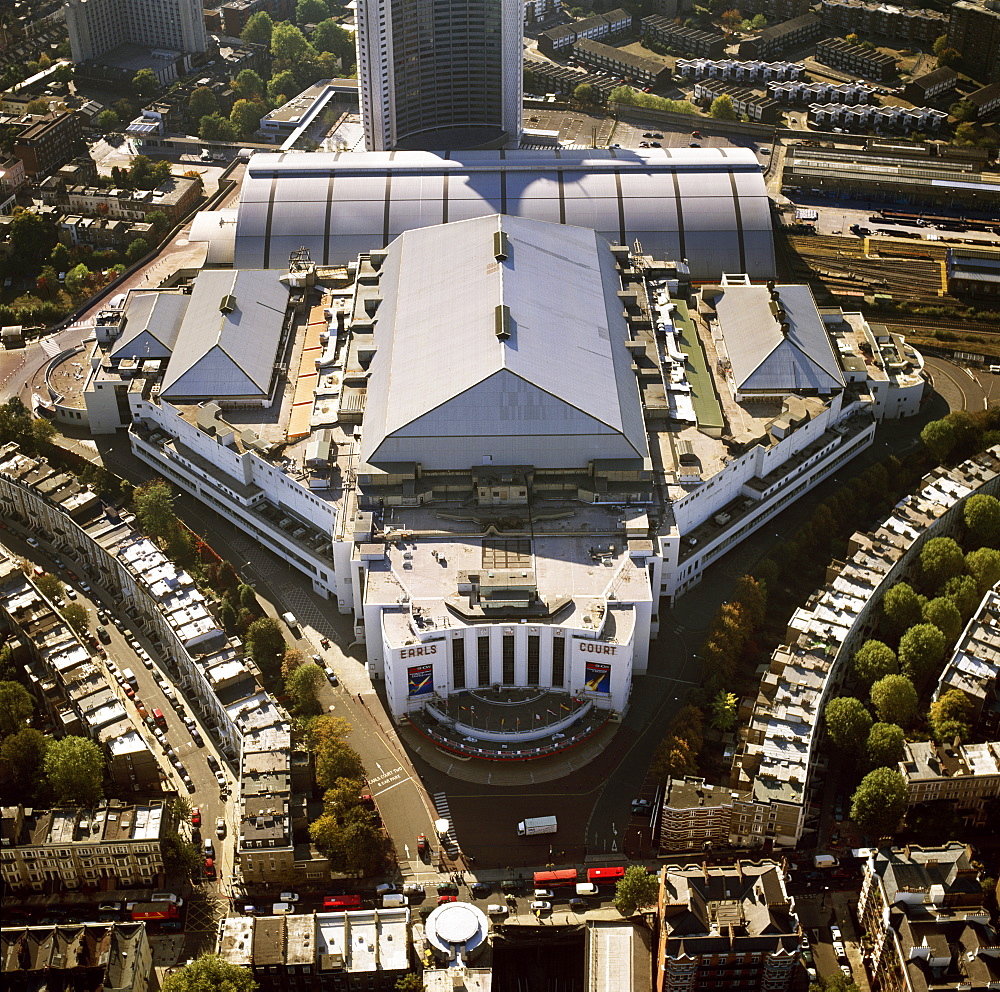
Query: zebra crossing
point(51, 347)
point(448, 840)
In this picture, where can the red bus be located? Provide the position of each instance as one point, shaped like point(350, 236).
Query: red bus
point(549, 879)
point(605, 874)
point(155, 911)
point(342, 902)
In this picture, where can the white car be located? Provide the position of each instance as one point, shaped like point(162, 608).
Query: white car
point(71, 592)
point(220, 831)
point(33, 542)
point(495, 909)
point(543, 893)
point(221, 779)
point(289, 897)
point(846, 969)
point(540, 905)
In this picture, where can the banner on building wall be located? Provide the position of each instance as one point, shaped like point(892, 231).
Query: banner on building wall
point(598, 677)
point(421, 680)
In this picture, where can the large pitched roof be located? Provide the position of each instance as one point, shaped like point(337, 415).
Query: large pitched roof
point(441, 370)
point(762, 355)
point(227, 342)
point(152, 321)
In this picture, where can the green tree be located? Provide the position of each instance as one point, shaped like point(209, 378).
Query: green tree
point(873, 661)
point(153, 503)
point(337, 760)
point(885, 745)
point(107, 121)
point(245, 116)
point(21, 757)
point(962, 591)
point(940, 44)
point(941, 559)
point(282, 86)
point(49, 586)
point(78, 617)
point(63, 73)
point(60, 258)
point(202, 103)
point(409, 983)
point(265, 643)
point(879, 802)
point(180, 856)
point(848, 723)
point(758, 23)
point(939, 439)
point(963, 110)
point(833, 983)
point(302, 684)
point(311, 11)
point(209, 973)
point(249, 85)
point(984, 567)
point(949, 58)
point(288, 44)
point(227, 616)
point(15, 707)
point(32, 237)
point(895, 700)
point(136, 249)
point(159, 220)
point(585, 94)
point(363, 847)
point(144, 84)
point(981, 514)
point(953, 712)
point(722, 108)
point(76, 278)
point(74, 767)
point(943, 614)
point(38, 107)
point(258, 29)
point(921, 649)
point(636, 890)
point(851, 39)
point(215, 127)
point(248, 597)
point(329, 36)
point(724, 710)
point(901, 607)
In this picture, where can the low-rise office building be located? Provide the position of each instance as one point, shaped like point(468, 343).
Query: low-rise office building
point(974, 667)
point(697, 816)
point(888, 118)
point(966, 776)
point(560, 40)
point(692, 41)
point(45, 143)
point(729, 926)
point(57, 850)
point(868, 62)
point(920, 89)
point(864, 18)
point(746, 103)
point(751, 71)
point(115, 957)
point(637, 68)
point(366, 950)
point(820, 92)
point(923, 920)
point(986, 100)
point(780, 37)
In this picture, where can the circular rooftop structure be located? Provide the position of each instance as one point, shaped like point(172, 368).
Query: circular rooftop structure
point(456, 928)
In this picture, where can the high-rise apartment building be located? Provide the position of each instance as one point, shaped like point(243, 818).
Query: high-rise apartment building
point(974, 30)
point(96, 26)
point(437, 76)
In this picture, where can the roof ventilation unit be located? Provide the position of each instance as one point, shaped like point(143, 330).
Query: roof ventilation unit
point(228, 304)
point(501, 317)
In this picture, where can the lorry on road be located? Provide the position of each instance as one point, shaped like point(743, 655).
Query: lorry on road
point(290, 622)
point(537, 825)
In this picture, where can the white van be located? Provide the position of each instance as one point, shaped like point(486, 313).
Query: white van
point(166, 897)
point(129, 677)
point(587, 889)
point(393, 900)
point(282, 908)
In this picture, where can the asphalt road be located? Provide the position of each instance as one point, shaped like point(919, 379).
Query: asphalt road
point(963, 388)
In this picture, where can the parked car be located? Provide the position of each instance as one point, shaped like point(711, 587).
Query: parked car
point(220, 832)
point(495, 909)
point(221, 779)
point(443, 899)
point(540, 905)
point(33, 542)
point(209, 868)
point(481, 889)
point(543, 894)
point(289, 897)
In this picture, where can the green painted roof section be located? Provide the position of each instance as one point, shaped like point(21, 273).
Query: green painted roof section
point(706, 404)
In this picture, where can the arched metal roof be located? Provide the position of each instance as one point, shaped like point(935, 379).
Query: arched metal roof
point(708, 205)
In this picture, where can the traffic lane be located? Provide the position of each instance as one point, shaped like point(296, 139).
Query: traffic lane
point(399, 796)
point(956, 384)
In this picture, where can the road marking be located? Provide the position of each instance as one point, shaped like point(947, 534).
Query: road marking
point(382, 792)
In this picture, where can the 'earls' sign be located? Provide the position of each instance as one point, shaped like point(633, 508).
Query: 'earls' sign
point(420, 652)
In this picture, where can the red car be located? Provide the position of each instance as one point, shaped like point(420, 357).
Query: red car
point(443, 899)
point(209, 868)
point(422, 846)
point(195, 817)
